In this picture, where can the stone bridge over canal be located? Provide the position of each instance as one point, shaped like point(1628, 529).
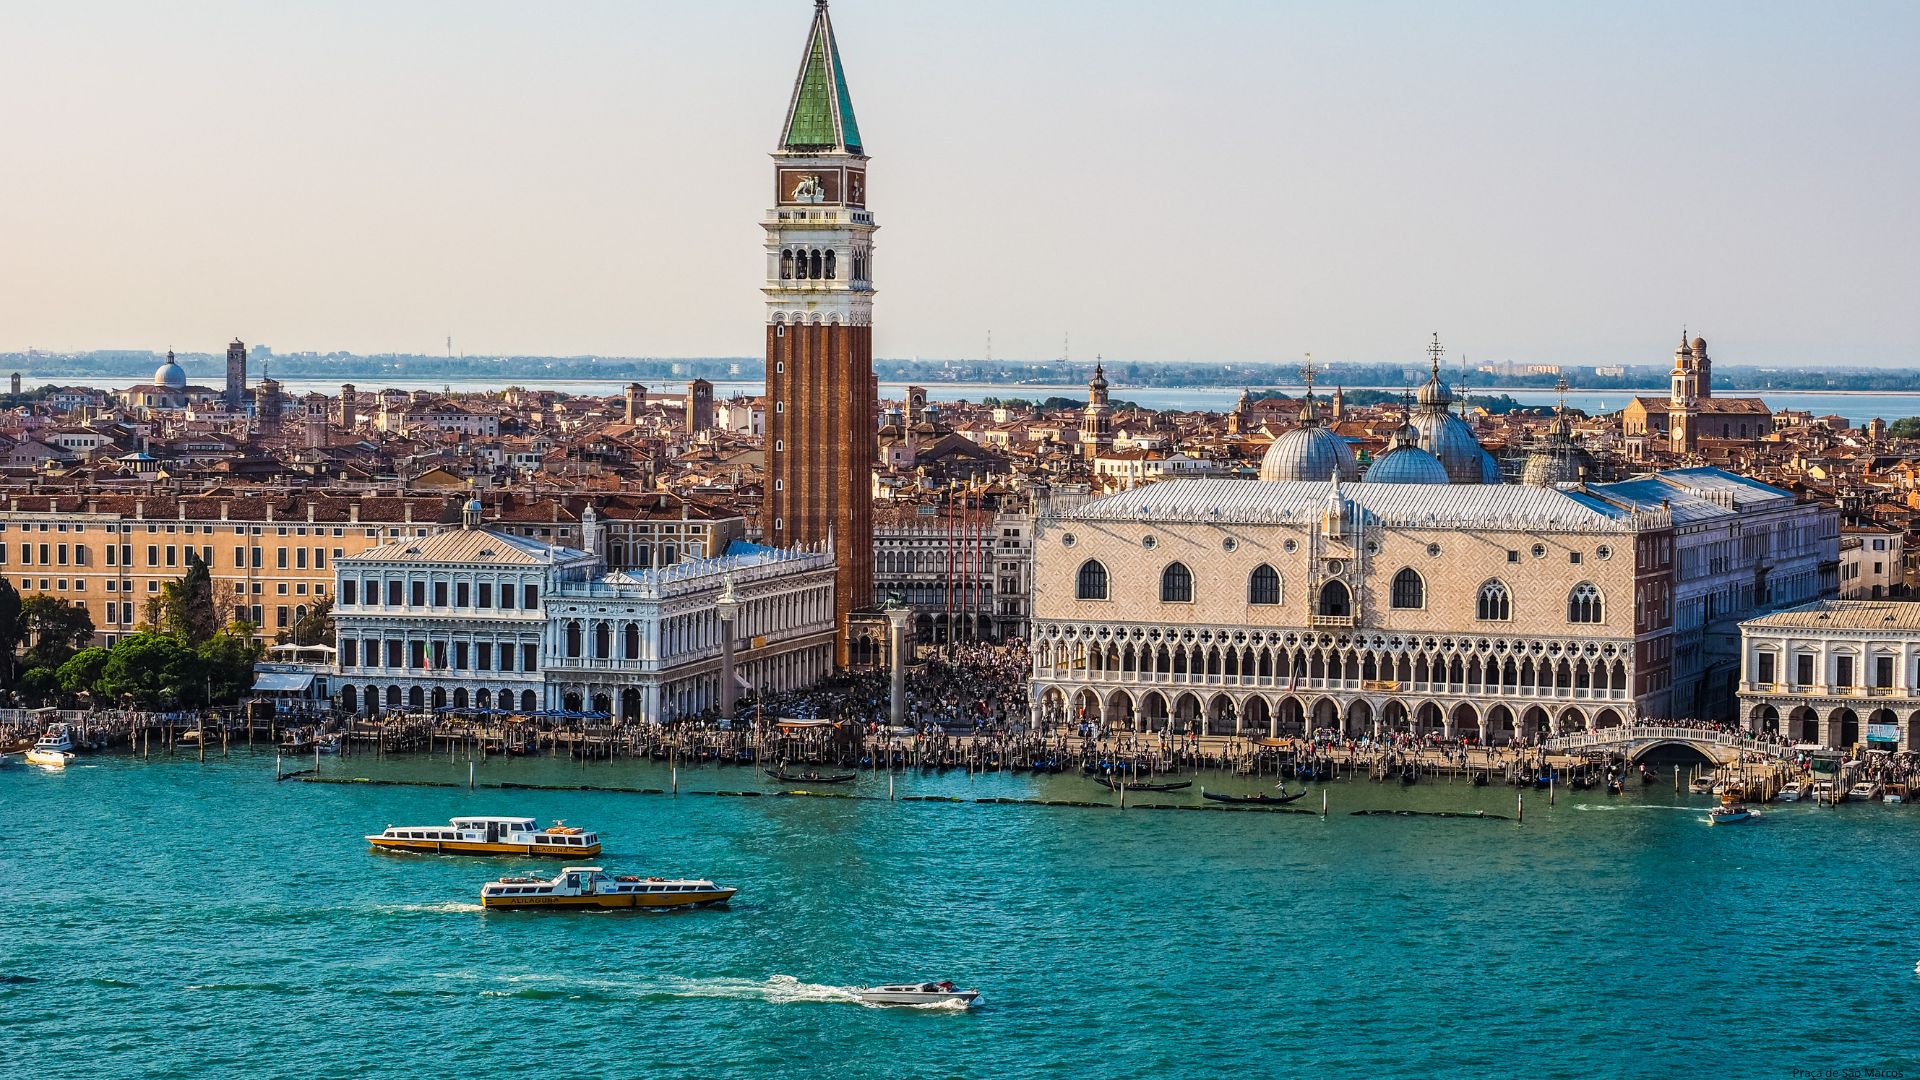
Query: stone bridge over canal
point(1639, 739)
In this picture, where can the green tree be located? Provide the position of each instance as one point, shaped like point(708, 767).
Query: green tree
point(185, 605)
point(78, 674)
point(1906, 428)
point(154, 671)
point(55, 628)
point(11, 630)
point(38, 684)
point(226, 662)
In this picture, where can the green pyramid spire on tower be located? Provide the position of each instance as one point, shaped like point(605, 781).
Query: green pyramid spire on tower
point(820, 119)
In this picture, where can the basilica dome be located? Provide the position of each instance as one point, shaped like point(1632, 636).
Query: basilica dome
point(1406, 465)
point(170, 375)
point(1448, 438)
point(1309, 453)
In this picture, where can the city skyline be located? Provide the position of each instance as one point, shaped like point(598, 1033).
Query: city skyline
point(1536, 184)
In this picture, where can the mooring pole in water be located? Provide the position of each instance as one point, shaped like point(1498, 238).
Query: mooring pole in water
point(889, 785)
point(1549, 789)
point(276, 764)
point(1520, 808)
point(469, 774)
point(1323, 803)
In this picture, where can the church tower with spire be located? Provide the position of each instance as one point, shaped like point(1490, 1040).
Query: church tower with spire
point(821, 397)
point(1096, 420)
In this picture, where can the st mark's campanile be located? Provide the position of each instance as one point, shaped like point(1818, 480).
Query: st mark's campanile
point(820, 384)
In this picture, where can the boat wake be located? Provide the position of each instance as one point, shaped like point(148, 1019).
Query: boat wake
point(443, 907)
point(1632, 806)
point(777, 990)
point(262, 987)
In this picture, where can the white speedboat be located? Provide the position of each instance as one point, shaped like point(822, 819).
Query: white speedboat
point(1793, 792)
point(1864, 791)
point(933, 993)
point(54, 750)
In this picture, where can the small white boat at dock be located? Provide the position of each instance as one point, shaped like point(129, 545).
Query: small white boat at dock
point(933, 993)
point(1864, 791)
point(1793, 792)
point(54, 750)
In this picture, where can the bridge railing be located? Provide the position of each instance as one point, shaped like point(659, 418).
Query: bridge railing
point(1614, 737)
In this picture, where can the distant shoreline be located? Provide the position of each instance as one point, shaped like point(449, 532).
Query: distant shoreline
point(375, 381)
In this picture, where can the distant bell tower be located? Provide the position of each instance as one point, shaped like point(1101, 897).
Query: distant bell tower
point(1096, 420)
point(236, 376)
point(820, 386)
point(1683, 436)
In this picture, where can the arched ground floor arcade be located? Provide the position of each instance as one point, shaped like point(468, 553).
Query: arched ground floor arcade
point(1837, 725)
point(1196, 711)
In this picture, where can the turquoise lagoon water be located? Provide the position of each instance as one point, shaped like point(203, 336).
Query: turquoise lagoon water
point(172, 919)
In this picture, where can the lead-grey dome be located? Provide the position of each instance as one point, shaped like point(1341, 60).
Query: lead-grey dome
point(170, 375)
point(1406, 465)
point(1309, 453)
point(1449, 439)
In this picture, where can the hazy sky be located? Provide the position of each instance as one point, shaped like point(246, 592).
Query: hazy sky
point(1207, 179)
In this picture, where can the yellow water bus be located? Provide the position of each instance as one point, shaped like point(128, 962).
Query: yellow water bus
point(594, 887)
point(490, 836)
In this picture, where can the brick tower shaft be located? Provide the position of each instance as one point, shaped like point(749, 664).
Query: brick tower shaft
point(821, 408)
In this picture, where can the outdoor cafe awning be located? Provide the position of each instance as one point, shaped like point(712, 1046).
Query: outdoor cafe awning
point(276, 682)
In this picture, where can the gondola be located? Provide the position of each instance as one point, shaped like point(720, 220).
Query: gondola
point(1116, 785)
point(810, 778)
point(1256, 800)
point(1647, 776)
point(1409, 774)
point(1479, 779)
point(1614, 787)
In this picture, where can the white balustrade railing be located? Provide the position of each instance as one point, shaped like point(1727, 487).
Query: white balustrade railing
point(1645, 732)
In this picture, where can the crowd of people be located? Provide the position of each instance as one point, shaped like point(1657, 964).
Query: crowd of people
point(976, 686)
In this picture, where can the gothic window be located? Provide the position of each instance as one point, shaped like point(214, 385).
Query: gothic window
point(827, 263)
point(786, 265)
point(1583, 605)
point(1176, 584)
point(1496, 604)
point(1408, 590)
point(1335, 600)
point(1264, 586)
point(1091, 583)
point(813, 265)
point(573, 639)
